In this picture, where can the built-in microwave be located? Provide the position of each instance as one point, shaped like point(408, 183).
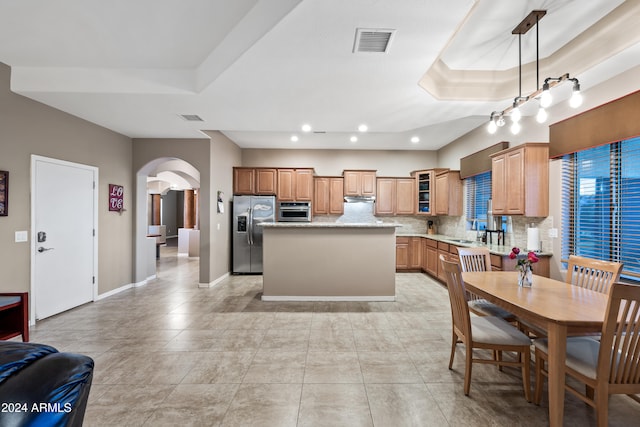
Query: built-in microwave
point(294, 211)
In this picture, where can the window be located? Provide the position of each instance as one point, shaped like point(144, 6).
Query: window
point(478, 193)
point(601, 213)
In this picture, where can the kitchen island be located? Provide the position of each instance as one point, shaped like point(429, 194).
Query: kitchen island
point(319, 261)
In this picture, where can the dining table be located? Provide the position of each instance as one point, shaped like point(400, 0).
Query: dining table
point(556, 307)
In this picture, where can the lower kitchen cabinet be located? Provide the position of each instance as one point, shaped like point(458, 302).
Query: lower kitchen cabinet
point(402, 253)
point(443, 249)
point(415, 253)
point(408, 253)
point(431, 255)
point(432, 249)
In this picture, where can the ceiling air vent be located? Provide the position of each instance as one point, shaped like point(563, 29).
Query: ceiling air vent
point(373, 40)
point(192, 117)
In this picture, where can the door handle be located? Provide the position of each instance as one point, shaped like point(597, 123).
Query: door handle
point(41, 249)
point(250, 226)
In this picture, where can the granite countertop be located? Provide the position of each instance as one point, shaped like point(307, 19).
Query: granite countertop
point(494, 249)
point(329, 225)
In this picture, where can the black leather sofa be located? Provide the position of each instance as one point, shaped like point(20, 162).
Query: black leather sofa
point(40, 386)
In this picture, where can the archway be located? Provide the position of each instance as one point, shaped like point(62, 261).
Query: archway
point(154, 179)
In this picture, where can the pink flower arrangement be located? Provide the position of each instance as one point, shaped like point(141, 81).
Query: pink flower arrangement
point(523, 263)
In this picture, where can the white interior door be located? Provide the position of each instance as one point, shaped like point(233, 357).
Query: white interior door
point(63, 228)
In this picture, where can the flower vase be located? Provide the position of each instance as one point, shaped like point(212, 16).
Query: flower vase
point(525, 276)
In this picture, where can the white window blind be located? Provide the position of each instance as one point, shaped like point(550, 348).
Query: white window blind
point(601, 204)
point(478, 193)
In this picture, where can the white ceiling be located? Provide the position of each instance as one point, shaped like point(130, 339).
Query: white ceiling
point(258, 69)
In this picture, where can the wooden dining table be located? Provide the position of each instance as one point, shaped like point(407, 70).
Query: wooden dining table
point(556, 307)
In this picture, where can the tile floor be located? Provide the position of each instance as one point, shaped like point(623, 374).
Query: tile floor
point(169, 353)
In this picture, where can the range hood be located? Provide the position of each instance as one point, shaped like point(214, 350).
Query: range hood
point(359, 199)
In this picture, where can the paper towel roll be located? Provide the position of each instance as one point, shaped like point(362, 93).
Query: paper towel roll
point(533, 239)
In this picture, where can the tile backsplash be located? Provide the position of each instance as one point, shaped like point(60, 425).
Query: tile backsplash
point(454, 226)
point(516, 235)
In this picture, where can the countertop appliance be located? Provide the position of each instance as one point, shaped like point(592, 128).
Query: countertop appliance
point(248, 212)
point(494, 225)
point(294, 212)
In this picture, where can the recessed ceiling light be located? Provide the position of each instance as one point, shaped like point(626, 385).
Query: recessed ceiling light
point(306, 127)
point(353, 138)
point(294, 138)
point(363, 128)
point(415, 139)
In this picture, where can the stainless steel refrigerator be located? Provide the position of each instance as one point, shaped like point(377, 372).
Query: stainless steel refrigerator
point(248, 212)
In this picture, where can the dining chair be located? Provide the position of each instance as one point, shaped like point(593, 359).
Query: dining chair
point(589, 273)
point(482, 332)
point(609, 366)
point(479, 259)
point(592, 274)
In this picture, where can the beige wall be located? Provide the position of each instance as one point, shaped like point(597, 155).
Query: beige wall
point(214, 158)
point(333, 162)
point(196, 152)
point(225, 154)
point(28, 127)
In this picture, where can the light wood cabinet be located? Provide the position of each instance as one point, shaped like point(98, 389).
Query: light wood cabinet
point(328, 196)
point(385, 196)
point(295, 185)
point(405, 196)
point(266, 181)
point(520, 180)
point(254, 181)
point(408, 253)
point(415, 253)
point(437, 192)
point(395, 196)
point(244, 181)
point(448, 193)
point(432, 260)
point(432, 249)
point(443, 249)
point(424, 185)
point(402, 253)
point(359, 182)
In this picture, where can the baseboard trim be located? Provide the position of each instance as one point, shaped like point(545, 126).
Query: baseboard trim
point(114, 291)
point(328, 298)
point(214, 283)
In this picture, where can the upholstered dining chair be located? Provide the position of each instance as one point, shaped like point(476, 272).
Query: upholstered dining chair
point(479, 259)
point(482, 332)
point(592, 273)
point(609, 366)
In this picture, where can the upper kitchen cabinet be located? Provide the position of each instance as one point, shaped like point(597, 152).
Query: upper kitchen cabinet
point(258, 181)
point(328, 196)
point(448, 193)
point(295, 185)
point(359, 182)
point(424, 185)
point(520, 180)
point(395, 196)
point(438, 192)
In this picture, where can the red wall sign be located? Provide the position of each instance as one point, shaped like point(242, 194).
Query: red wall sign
point(116, 197)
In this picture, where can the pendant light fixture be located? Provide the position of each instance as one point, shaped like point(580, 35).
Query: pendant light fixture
point(544, 97)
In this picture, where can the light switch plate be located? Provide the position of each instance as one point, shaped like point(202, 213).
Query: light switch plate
point(553, 232)
point(22, 236)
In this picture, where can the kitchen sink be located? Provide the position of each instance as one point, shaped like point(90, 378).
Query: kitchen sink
point(460, 240)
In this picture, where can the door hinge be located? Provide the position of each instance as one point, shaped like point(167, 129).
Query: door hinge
point(93, 280)
point(94, 185)
point(94, 232)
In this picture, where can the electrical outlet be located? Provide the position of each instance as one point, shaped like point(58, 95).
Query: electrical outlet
point(553, 233)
